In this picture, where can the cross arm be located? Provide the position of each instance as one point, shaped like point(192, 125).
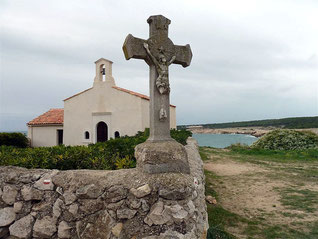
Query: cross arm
point(134, 48)
point(183, 55)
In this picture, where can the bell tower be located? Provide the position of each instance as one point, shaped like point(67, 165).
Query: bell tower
point(104, 72)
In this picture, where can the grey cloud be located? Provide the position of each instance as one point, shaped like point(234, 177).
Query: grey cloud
point(251, 61)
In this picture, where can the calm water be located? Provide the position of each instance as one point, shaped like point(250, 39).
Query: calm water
point(223, 140)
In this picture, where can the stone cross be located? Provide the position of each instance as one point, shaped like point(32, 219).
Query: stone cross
point(158, 52)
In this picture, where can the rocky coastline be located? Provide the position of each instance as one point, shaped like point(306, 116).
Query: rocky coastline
point(255, 131)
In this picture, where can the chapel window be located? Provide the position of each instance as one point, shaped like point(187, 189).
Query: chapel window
point(117, 135)
point(86, 135)
point(103, 72)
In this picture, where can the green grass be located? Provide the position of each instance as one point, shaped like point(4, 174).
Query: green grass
point(302, 200)
point(203, 154)
point(218, 216)
point(277, 155)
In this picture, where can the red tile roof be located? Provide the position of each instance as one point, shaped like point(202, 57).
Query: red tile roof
point(135, 94)
point(52, 117)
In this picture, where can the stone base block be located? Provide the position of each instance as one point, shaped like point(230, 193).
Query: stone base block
point(162, 157)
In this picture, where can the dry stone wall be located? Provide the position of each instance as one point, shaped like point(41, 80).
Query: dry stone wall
point(36, 203)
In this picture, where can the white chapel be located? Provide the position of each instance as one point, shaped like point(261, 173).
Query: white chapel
point(97, 114)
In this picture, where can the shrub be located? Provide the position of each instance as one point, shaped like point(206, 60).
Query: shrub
point(113, 154)
point(181, 135)
point(287, 140)
point(14, 139)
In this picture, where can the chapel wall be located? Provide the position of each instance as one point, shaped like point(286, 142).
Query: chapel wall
point(173, 123)
point(121, 112)
point(78, 118)
point(126, 113)
point(43, 136)
point(90, 204)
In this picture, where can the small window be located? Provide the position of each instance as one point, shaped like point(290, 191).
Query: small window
point(59, 136)
point(86, 135)
point(117, 135)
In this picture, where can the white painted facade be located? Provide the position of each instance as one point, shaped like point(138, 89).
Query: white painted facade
point(44, 136)
point(123, 111)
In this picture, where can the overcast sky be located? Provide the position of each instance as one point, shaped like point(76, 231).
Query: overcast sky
point(251, 59)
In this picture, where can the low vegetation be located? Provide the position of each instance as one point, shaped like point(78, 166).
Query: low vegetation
point(13, 139)
point(112, 154)
point(287, 140)
point(288, 123)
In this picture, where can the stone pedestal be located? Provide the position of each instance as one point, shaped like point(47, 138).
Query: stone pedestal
point(162, 157)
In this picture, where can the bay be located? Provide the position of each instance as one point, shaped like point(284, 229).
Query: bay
point(223, 140)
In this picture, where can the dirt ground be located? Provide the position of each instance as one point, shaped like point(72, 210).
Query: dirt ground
point(271, 193)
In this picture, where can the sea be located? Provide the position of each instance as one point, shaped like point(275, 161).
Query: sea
point(223, 140)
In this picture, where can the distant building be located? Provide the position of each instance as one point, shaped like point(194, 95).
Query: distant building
point(94, 115)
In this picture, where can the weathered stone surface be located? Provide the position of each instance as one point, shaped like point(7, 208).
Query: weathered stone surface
point(162, 157)
point(191, 207)
point(7, 216)
point(11, 177)
point(177, 212)
point(157, 215)
point(9, 194)
point(73, 209)
point(144, 205)
point(22, 228)
point(133, 48)
point(175, 193)
point(134, 203)
point(29, 177)
point(115, 206)
point(69, 198)
point(90, 205)
point(177, 235)
point(64, 230)
point(29, 193)
point(57, 208)
point(115, 194)
point(90, 191)
point(44, 228)
point(59, 190)
point(17, 207)
point(45, 183)
point(141, 191)
point(99, 227)
point(126, 213)
point(42, 206)
point(116, 230)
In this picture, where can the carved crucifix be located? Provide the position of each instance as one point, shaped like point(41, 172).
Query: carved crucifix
point(158, 52)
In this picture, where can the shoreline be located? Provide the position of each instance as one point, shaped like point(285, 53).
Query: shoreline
point(254, 131)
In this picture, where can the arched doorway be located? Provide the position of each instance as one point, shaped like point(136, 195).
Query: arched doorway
point(102, 132)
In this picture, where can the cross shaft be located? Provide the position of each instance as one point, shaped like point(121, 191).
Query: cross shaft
point(158, 52)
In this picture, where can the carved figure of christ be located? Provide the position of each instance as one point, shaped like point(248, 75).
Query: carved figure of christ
point(158, 52)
